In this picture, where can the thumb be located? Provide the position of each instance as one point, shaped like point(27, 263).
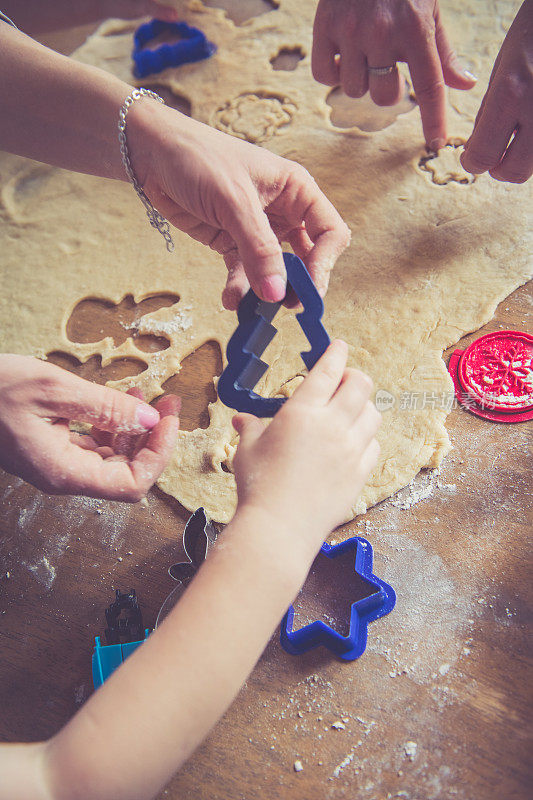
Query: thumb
point(455, 75)
point(105, 408)
point(259, 249)
point(248, 427)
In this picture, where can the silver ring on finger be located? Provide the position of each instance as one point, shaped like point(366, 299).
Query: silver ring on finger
point(382, 71)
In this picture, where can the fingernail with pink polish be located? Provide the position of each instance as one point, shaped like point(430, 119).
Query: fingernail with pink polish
point(469, 75)
point(273, 288)
point(147, 416)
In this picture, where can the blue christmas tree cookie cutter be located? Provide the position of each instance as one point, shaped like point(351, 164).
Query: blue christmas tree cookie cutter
point(193, 45)
point(381, 601)
point(255, 332)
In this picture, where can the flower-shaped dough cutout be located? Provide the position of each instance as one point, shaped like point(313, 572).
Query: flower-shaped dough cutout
point(254, 117)
point(445, 166)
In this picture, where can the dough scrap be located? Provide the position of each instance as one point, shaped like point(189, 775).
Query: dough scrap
point(428, 261)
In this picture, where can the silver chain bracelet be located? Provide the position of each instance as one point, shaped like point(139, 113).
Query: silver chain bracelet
point(157, 221)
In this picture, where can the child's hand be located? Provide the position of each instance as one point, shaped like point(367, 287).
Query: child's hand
point(309, 465)
point(129, 447)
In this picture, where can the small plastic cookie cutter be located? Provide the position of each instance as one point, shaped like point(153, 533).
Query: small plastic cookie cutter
point(125, 630)
point(193, 45)
point(255, 332)
point(377, 604)
point(198, 537)
point(493, 377)
point(123, 635)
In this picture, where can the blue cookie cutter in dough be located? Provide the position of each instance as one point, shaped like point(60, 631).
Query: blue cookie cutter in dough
point(380, 602)
point(193, 45)
point(255, 332)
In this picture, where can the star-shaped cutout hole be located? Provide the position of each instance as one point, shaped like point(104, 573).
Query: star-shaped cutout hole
point(342, 575)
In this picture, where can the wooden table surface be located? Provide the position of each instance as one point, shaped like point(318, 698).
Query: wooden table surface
point(438, 707)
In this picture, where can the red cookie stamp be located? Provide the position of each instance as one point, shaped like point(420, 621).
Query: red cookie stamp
point(493, 377)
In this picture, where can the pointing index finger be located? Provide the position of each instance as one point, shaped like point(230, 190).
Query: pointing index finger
point(428, 82)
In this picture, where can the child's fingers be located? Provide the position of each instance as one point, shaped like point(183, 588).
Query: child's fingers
point(248, 427)
point(352, 394)
point(367, 424)
point(369, 459)
point(323, 380)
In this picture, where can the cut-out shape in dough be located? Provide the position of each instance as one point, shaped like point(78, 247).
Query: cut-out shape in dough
point(363, 113)
point(255, 117)
point(173, 99)
point(240, 12)
point(93, 319)
point(92, 369)
point(191, 384)
point(287, 58)
point(328, 593)
point(445, 167)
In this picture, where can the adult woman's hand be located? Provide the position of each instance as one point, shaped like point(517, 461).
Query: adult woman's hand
point(239, 199)
point(357, 43)
point(502, 140)
point(130, 445)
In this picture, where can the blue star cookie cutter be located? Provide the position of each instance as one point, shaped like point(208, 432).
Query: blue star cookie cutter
point(255, 332)
point(381, 601)
point(193, 45)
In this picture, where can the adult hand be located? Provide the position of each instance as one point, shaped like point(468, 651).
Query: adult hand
point(37, 400)
point(502, 140)
point(351, 37)
point(312, 461)
point(239, 199)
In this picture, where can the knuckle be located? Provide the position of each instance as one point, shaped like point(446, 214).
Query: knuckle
point(299, 174)
point(382, 27)
point(328, 373)
point(238, 194)
point(265, 247)
point(108, 411)
point(363, 381)
point(430, 92)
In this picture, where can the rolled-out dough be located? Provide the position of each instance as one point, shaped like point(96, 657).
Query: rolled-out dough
point(432, 252)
